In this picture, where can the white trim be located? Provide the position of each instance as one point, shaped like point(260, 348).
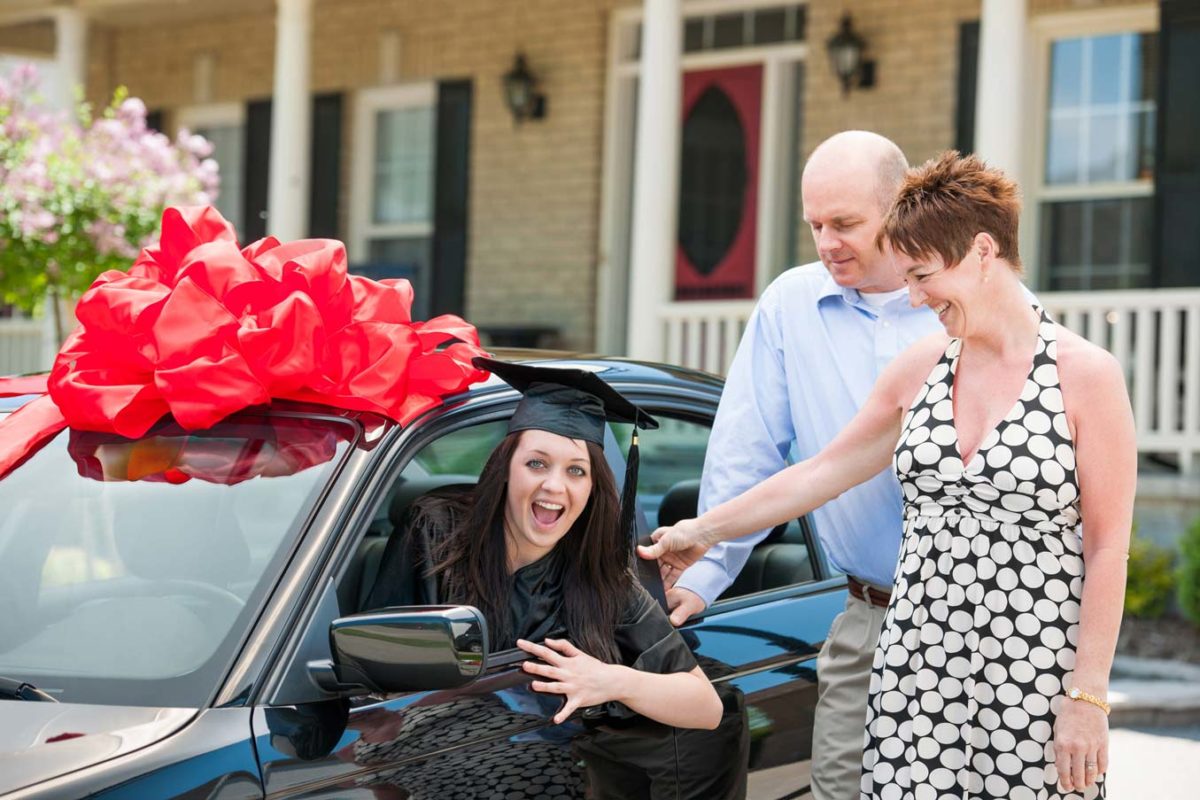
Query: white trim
point(656, 176)
point(1044, 29)
point(367, 103)
point(734, 56)
point(703, 8)
point(1095, 22)
point(778, 88)
point(289, 159)
point(1088, 191)
point(211, 115)
point(612, 265)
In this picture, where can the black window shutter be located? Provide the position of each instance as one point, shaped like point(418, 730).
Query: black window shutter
point(450, 196)
point(968, 78)
point(325, 178)
point(257, 166)
point(154, 120)
point(1177, 157)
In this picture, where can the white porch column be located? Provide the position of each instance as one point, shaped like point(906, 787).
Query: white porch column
point(655, 178)
point(70, 54)
point(291, 122)
point(998, 118)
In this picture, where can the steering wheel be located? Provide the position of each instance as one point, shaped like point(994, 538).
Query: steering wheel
point(213, 595)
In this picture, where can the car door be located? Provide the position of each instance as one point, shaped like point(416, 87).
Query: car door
point(492, 734)
point(495, 735)
point(758, 643)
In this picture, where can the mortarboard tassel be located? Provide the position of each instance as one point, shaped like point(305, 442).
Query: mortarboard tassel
point(629, 490)
point(647, 571)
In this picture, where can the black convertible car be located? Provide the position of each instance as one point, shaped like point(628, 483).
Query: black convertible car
point(183, 617)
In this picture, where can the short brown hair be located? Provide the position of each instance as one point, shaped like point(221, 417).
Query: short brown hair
point(945, 202)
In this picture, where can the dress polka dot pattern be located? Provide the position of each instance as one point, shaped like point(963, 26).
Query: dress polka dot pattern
point(979, 638)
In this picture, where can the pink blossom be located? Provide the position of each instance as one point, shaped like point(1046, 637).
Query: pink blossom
point(100, 188)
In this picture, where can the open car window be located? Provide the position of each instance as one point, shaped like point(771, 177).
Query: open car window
point(129, 569)
point(672, 462)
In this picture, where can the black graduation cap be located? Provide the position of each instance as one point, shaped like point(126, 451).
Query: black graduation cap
point(574, 403)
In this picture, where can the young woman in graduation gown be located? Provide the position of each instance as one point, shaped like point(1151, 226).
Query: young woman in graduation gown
point(538, 545)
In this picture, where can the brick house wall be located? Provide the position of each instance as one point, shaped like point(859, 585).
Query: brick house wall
point(915, 46)
point(534, 204)
point(535, 190)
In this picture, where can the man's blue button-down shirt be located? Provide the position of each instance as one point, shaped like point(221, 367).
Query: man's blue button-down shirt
point(806, 363)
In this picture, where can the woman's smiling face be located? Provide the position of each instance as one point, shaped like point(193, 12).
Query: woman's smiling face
point(947, 289)
point(549, 483)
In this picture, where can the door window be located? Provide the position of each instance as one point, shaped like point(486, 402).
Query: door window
point(672, 462)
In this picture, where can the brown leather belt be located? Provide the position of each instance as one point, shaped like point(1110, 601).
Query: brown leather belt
point(868, 594)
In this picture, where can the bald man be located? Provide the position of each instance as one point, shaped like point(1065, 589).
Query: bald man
point(817, 340)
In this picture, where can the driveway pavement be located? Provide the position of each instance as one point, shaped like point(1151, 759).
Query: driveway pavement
point(1154, 763)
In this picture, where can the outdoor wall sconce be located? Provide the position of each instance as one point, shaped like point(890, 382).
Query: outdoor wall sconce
point(520, 92)
point(846, 54)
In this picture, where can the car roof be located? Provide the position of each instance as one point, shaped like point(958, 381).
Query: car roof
point(619, 371)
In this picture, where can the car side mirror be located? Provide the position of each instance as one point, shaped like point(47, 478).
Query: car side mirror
point(422, 648)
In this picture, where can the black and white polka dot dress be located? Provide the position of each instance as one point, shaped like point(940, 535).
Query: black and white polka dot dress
point(979, 639)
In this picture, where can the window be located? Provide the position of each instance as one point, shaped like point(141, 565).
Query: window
point(131, 568)
point(1096, 185)
point(224, 126)
point(463, 452)
point(672, 460)
point(772, 24)
point(392, 221)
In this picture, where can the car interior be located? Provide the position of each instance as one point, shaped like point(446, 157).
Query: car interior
point(781, 559)
point(137, 584)
point(360, 575)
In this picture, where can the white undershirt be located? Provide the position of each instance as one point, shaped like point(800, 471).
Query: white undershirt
point(881, 299)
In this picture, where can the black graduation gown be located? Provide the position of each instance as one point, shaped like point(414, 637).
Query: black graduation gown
point(645, 638)
point(629, 761)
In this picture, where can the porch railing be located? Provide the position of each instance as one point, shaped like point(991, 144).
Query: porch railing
point(21, 346)
point(1154, 334)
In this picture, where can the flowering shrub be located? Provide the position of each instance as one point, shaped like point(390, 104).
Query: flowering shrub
point(1150, 581)
point(1189, 573)
point(81, 195)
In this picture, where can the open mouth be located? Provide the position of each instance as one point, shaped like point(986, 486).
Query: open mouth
point(547, 513)
point(942, 309)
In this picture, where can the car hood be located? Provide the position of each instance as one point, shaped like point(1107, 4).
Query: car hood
point(39, 741)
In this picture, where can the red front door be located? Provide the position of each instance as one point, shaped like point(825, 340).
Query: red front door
point(718, 185)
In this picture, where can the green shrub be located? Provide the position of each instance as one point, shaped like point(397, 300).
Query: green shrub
point(1151, 579)
point(1188, 576)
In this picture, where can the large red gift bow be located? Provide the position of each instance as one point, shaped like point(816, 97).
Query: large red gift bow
point(199, 329)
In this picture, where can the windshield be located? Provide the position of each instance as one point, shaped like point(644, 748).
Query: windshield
point(130, 569)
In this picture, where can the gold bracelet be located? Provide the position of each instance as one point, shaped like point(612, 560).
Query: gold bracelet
point(1076, 693)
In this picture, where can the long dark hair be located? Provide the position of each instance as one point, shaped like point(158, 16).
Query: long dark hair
point(473, 559)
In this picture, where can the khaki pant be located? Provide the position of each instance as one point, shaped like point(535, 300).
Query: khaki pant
point(843, 679)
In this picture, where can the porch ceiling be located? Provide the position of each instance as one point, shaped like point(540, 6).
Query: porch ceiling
point(133, 13)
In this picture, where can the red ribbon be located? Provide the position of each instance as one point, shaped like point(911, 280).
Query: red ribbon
point(199, 329)
point(266, 448)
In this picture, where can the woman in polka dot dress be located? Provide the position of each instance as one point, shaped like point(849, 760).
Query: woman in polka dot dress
point(1006, 433)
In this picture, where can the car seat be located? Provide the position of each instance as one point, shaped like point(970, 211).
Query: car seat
point(360, 575)
point(781, 559)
